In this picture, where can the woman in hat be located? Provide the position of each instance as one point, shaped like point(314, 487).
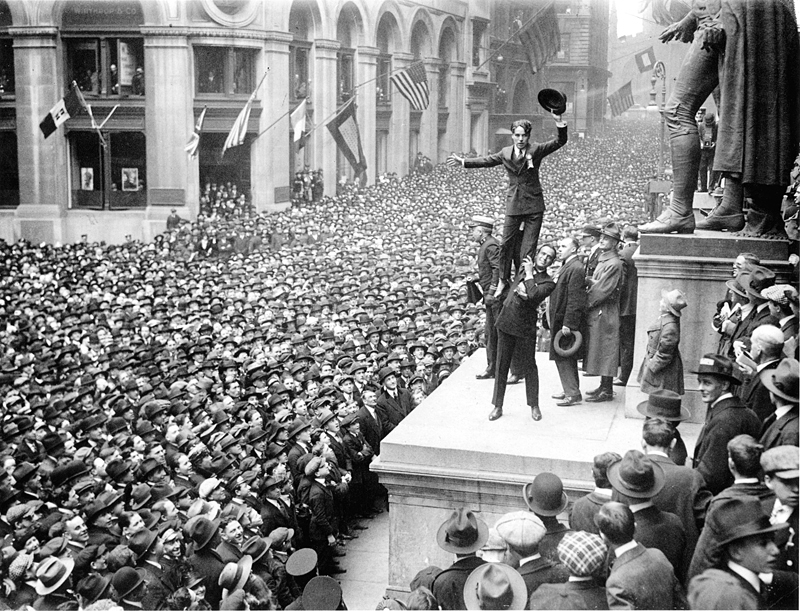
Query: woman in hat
point(662, 367)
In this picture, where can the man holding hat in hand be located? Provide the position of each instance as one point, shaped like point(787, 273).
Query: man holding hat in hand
point(488, 278)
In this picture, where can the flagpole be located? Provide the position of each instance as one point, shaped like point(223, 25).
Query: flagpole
point(508, 40)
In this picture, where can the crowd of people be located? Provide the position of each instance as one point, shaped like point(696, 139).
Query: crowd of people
point(189, 423)
point(308, 185)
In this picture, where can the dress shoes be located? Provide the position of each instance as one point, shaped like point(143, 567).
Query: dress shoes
point(347, 536)
point(618, 383)
point(593, 392)
point(485, 375)
point(570, 401)
point(536, 414)
point(513, 380)
point(669, 223)
point(496, 413)
point(558, 396)
point(603, 396)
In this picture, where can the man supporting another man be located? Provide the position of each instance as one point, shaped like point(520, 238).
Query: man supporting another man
point(488, 277)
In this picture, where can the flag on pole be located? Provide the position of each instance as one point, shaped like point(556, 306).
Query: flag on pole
point(646, 60)
point(344, 130)
point(70, 105)
point(413, 84)
point(194, 142)
point(298, 121)
point(239, 128)
point(540, 38)
point(621, 100)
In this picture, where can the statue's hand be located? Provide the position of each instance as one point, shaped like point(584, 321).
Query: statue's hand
point(682, 31)
point(713, 36)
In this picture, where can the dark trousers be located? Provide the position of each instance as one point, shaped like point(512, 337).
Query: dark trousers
point(627, 332)
point(708, 178)
point(506, 347)
point(516, 243)
point(568, 373)
point(490, 334)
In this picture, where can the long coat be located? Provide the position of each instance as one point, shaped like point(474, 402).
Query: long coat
point(602, 357)
point(630, 288)
point(568, 302)
point(489, 264)
point(662, 367)
point(524, 193)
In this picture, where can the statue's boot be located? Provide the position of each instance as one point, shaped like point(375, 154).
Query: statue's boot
point(727, 215)
point(764, 217)
point(679, 218)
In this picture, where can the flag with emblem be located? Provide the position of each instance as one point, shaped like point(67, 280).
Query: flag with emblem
point(69, 106)
point(413, 84)
point(621, 100)
point(646, 60)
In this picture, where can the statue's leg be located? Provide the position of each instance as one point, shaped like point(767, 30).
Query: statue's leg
point(696, 80)
point(727, 215)
point(764, 217)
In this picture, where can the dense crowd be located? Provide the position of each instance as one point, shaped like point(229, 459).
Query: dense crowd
point(189, 423)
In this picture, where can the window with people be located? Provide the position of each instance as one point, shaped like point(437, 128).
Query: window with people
point(225, 71)
point(107, 66)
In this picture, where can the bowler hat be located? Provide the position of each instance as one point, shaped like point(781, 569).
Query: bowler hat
point(462, 533)
point(385, 373)
point(576, 341)
point(674, 300)
point(126, 580)
point(495, 586)
point(783, 380)
point(741, 517)
point(322, 593)
point(717, 365)
point(553, 101)
point(636, 475)
point(545, 495)
point(664, 404)
point(52, 573)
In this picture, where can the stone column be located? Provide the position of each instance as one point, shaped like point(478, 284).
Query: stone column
point(366, 72)
point(173, 179)
point(399, 126)
point(456, 109)
point(429, 122)
point(324, 93)
point(44, 184)
point(271, 151)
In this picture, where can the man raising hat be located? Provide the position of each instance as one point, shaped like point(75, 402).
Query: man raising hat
point(488, 278)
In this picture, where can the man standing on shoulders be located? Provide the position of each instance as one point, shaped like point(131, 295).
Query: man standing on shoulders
point(602, 357)
point(627, 304)
point(488, 277)
point(568, 315)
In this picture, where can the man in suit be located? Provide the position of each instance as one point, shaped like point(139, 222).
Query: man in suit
point(568, 315)
point(602, 355)
point(753, 282)
point(726, 418)
point(524, 200)
point(323, 526)
point(462, 534)
point(749, 552)
point(393, 404)
point(585, 509)
point(488, 278)
point(640, 578)
point(781, 472)
point(275, 512)
point(636, 481)
point(583, 554)
point(516, 324)
point(590, 247)
point(367, 416)
point(780, 306)
point(205, 560)
point(523, 532)
point(766, 349)
point(300, 439)
point(781, 427)
point(627, 304)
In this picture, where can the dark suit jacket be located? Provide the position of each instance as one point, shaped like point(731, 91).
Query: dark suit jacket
point(789, 328)
point(293, 456)
point(392, 411)
point(568, 302)
point(724, 421)
point(584, 510)
point(643, 579)
point(748, 324)
point(782, 431)
point(630, 285)
point(541, 571)
point(569, 596)
point(209, 565)
point(448, 586)
point(489, 265)
point(519, 315)
point(523, 196)
point(756, 396)
point(662, 530)
point(338, 448)
point(228, 552)
point(274, 517)
point(555, 533)
point(371, 429)
point(323, 518)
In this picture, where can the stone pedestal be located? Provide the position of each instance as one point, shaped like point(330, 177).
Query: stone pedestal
point(697, 264)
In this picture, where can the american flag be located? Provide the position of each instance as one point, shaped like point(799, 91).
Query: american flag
point(621, 100)
point(540, 38)
point(413, 84)
point(194, 141)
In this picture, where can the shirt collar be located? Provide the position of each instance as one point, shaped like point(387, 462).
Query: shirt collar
point(745, 481)
point(603, 492)
point(782, 410)
point(579, 579)
point(620, 550)
point(636, 507)
point(761, 366)
point(720, 398)
point(785, 319)
point(653, 451)
point(524, 560)
point(747, 574)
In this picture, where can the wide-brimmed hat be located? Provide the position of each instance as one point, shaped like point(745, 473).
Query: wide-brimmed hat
point(481, 221)
point(664, 404)
point(675, 300)
point(52, 573)
point(545, 495)
point(636, 475)
point(202, 530)
point(783, 380)
point(495, 586)
point(462, 532)
point(322, 593)
point(582, 553)
point(553, 101)
point(256, 547)
point(717, 365)
point(572, 347)
point(235, 575)
point(738, 284)
point(611, 231)
point(741, 517)
point(760, 278)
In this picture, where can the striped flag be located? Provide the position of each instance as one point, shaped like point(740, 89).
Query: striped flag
point(70, 105)
point(413, 84)
point(239, 129)
point(298, 121)
point(621, 100)
point(540, 38)
point(344, 130)
point(194, 142)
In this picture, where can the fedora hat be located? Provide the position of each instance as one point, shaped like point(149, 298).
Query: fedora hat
point(760, 278)
point(462, 533)
point(495, 586)
point(611, 231)
point(576, 341)
point(738, 284)
point(545, 495)
point(256, 547)
point(126, 580)
point(636, 475)
point(297, 426)
point(717, 365)
point(742, 517)
point(783, 380)
point(385, 373)
point(202, 531)
point(553, 101)
point(52, 573)
point(322, 593)
point(675, 300)
point(93, 587)
point(664, 404)
point(141, 542)
point(234, 575)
